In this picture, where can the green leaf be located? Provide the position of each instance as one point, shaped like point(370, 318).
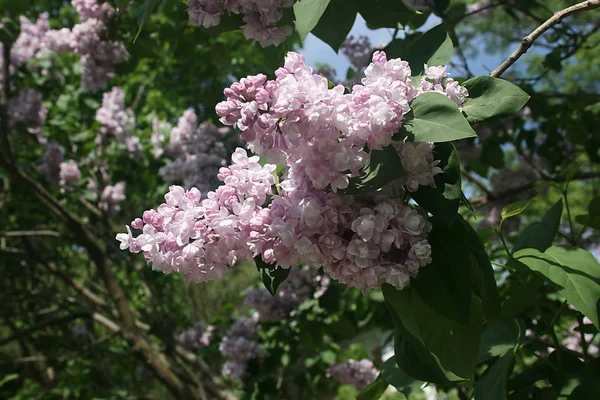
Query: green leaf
point(575, 272)
point(434, 47)
point(414, 359)
point(143, 12)
point(308, 13)
point(499, 339)
point(592, 218)
point(445, 284)
point(271, 276)
point(383, 167)
point(515, 208)
point(336, 23)
point(540, 235)
point(403, 383)
point(375, 390)
point(492, 385)
point(492, 98)
point(8, 378)
point(384, 13)
point(15, 7)
point(436, 118)
point(453, 344)
point(443, 200)
point(483, 274)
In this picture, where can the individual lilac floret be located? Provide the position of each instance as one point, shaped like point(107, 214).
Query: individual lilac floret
point(360, 374)
point(69, 173)
point(197, 337)
point(436, 80)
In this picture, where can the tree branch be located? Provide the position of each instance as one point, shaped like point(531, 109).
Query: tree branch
point(528, 40)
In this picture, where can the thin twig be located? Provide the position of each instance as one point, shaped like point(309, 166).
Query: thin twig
point(29, 233)
point(527, 41)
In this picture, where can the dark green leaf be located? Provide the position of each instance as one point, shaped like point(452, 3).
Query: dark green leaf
point(15, 7)
point(575, 272)
point(336, 22)
point(492, 385)
point(492, 97)
point(384, 13)
point(445, 284)
point(483, 275)
point(375, 390)
point(271, 276)
point(143, 12)
point(383, 167)
point(498, 339)
point(540, 235)
point(434, 47)
point(436, 118)
point(308, 13)
point(592, 218)
point(443, 200)
point(403, 383)
point(440, 5)
point(453, 344)
point(515, 208)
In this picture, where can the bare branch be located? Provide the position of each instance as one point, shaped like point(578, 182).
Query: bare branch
point(29, 233)
point(528, 40)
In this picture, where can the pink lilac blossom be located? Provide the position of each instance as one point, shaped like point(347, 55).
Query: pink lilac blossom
point(53, 157)
point(197, 150)
point(117, 121)
point(91, 9)
point(69, 173)
point(319, 134)
point(29, 43)
point(360, 374)
point(240, 346)
point(112, 197)
point(436, 80)
point(260, 17)
point(358, 50)
point(197, 337)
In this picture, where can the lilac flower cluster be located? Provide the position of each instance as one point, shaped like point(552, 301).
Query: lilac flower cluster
point(358, 50)
point(358, 373)
point(260, 17)
point(98, 55)
point(111, 198)
point(27, 108)
point(69, 173)
point(117, 121)
point(196, 337)
point(319, 134)
point(198, 151)
point(297, 287)
point(240, 346)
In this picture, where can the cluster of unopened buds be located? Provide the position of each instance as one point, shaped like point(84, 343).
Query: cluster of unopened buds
point(260, 17)
point(319, 136)
point(360, 374)
point(239, 345)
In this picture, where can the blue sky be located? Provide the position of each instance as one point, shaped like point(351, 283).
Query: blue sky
point(317, 51)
